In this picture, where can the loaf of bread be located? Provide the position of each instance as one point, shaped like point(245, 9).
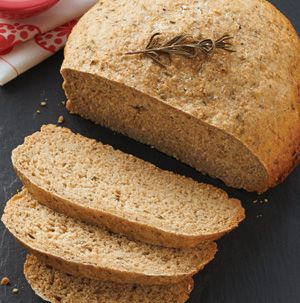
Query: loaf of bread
point(95, 183)
point(93, 252)
point(234, 116)
point(57, 287)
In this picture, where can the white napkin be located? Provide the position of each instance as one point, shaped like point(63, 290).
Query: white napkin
point(25, 43)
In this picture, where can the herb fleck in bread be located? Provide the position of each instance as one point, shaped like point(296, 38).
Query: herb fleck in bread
point(93, 252)
point(93, 182)
point(56, 287)
point(233, 116)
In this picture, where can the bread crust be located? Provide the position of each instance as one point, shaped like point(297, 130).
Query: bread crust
point(272, 136)
point(290, 158)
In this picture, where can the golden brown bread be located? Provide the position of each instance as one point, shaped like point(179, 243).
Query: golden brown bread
point(56, 287)
point(93, 252)
point(233, 116)
point(93, 182)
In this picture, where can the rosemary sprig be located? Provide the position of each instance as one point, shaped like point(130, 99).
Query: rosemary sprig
point(180, 45)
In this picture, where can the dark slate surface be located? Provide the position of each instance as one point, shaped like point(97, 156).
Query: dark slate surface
point(259, 262)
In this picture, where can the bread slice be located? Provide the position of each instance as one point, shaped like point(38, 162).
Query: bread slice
point(93, 252)
point(57, 287)
point(234, 116)
point(93, 182)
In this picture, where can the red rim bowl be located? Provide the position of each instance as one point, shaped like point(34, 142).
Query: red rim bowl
point(20, 9)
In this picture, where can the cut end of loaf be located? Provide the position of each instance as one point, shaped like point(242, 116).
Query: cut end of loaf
point(205, 147)
point(55, 286)
point(91, 181)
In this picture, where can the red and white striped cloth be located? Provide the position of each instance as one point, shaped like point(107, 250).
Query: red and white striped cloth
point(25, 43)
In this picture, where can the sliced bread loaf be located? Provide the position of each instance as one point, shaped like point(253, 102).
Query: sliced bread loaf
point(93, 252)
point(234, 115)
point(93, 182)
point(57, 287)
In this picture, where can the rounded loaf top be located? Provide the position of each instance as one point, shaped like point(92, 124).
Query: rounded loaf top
point(253, 94)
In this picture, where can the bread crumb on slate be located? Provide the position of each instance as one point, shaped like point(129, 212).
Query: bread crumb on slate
point(61, 119)
point(5, 281)
point(261, 201)
point(259, 216)
point(43, 103)
point(63, 102)
point(38, 111)
point(15, 290)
